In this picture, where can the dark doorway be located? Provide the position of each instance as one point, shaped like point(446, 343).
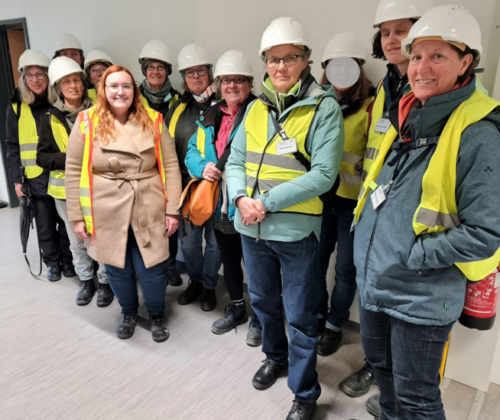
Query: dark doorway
point(13, 42)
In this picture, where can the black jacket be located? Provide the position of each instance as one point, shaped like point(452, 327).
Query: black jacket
point(48, 155)
point(186, 127)
point(38, 108)
point(164, 107)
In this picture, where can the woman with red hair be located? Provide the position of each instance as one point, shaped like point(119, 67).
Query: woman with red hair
point(121, 166)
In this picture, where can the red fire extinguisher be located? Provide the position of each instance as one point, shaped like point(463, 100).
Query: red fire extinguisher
point(480, 305)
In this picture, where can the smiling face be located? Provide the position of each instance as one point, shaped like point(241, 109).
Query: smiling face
point(155, 77)
point(235, 93)
point(73, 54)
point(71, 87)
point(393, 33)
point(434, 68)
point(37, 80)
point(284, 77)
point(197, 84)
point(119, 92)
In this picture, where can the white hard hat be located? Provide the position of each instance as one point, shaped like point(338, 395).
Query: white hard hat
point(67, 41)
point(33, 58)
point(61, 67)
point(155, 50)
point(233, 62)
point(95, 56)
point(284, 30)
point(193, 55)
point(401, 9)
point(452, 23)
point(343, 45)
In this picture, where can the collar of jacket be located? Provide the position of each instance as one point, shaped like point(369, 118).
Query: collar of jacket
point(188, 98)
point(430, 119)
point(16, 98)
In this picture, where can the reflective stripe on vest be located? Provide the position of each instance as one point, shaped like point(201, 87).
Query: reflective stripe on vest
point(175, 119)
point(92, 93)
point(354, 149)
point(438, 210)
point(88, 123)
point(57, 181)
point(265, 169)
point(28, 140)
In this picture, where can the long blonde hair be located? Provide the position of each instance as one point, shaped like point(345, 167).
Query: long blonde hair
point(27, 94)
point(138, 115)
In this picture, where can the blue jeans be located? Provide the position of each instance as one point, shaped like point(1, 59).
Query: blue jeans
point(335, 231)
point(266, 262)
point(153, 281)
point(202, 269)
point(406, 359)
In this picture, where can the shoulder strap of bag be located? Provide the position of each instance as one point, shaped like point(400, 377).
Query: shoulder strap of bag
point(223, 159)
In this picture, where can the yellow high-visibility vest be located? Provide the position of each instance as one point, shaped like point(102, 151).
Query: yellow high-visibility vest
point(171, 101)
point(28, 140)
point(355, 127)
point(92, 93)
point(266, 169)
point(57, 179)
point(88, 123)
point(438, 211)
point(175, 119)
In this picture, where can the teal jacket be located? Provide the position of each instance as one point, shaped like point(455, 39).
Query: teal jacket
point(325, 144)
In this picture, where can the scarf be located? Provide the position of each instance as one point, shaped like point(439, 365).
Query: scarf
point(283, 100)
point(72, 114)
point(157, 97)
point(205, 95)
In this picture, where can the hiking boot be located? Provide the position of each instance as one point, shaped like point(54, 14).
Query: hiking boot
point(373, 406)
point(254, 335)
point(302, 411)
point(359, 383)
point(104, 295)
point(68, 270)
point(329, 342)
point(54, 272)
point(126, 327)
point(234, 314)
point(159, 328)
point(191, 293)
point(86, 292)
point(267, 374)
point(208, 300)
point(173, 277)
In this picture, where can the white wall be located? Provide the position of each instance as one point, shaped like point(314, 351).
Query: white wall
point(495, 371)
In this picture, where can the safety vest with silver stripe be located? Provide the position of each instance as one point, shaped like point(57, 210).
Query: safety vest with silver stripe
point(28, 140)
point(57, 179)
point(265, 169)
point(438, 209)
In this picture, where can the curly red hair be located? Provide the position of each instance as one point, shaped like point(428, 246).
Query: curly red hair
point(138, 115)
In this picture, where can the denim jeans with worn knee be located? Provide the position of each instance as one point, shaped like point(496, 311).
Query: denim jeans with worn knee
point(406, 359)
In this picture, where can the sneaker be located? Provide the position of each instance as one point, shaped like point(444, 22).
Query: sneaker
point(267, 374)
point(359, 383)
point(302, 411)
point(234, 314)
point(126, 327)
point(173, 277)
point(254, 335)
point(104, 295)
point(329, 342)
point(191, 293)
point(54, 272)
point(373, 406)
point(208, 300)
point(86, 292)
point(68, 270)
point(159, 328)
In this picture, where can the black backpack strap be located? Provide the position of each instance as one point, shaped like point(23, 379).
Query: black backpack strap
point(404, 148)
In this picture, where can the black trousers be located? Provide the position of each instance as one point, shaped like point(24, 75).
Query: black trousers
point(51, 232)
point(231, 254)
point(173, 247)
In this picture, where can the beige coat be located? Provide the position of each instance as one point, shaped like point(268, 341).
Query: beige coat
point(116, 203)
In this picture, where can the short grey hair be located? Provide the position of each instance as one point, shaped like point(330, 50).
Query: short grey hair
point(83, 78)
point(27, 94)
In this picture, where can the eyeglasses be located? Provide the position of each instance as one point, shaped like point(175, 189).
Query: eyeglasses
point(236, 80)
point(200, 72)
point(115, 88)
point(153, 68)
point(289, 61)
point(98, 71)
point(37, 76)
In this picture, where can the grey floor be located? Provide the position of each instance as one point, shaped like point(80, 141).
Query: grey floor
point(61, 361)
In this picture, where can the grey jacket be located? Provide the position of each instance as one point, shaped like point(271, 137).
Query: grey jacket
point(415, 279)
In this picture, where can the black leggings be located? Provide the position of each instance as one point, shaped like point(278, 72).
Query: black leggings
point(231, 254)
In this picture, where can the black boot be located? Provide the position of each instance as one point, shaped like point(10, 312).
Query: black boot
point(173, 277)
point(373, 406)
point(254, 335)
point(126, 327)
point(104, 295)
point(329, 342)
point(86, 292)
point(267, 375)
point(54, 272)
point(68, 270)
point(359, 383)
point(234, 314)
point(302, 411)
point(191, 293)
point(208, 300)
point(159, 329)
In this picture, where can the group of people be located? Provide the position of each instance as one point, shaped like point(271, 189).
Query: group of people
point(398, 177)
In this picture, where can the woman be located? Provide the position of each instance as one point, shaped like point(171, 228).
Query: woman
point(412, 270)
point(68, 45)
point(195, 67)
point(217, 128)
point(55, 126)
point(275, 181)
point(118, 181)
point(343, 61)
point(96, 64)
point(30, 101)
point(393, 19)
